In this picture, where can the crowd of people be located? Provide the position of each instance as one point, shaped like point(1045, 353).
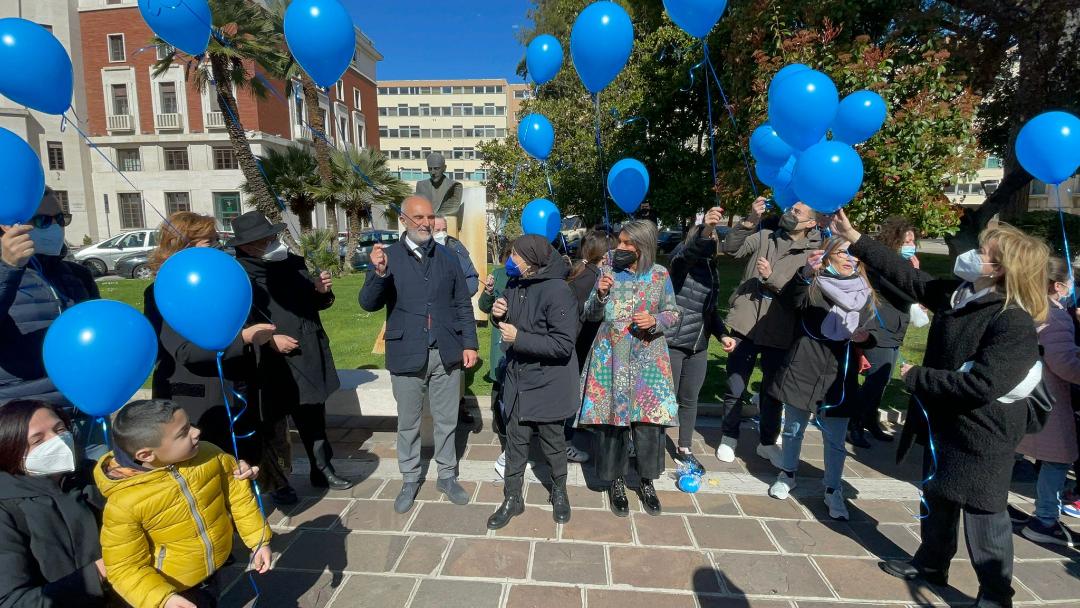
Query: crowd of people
point(611, 347)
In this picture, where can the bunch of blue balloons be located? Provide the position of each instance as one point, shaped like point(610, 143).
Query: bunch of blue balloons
point(792, 153)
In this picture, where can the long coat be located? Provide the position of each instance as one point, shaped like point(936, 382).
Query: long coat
point(975, 434)
point(541, 374)
point(628, 376)
point(1061, 367)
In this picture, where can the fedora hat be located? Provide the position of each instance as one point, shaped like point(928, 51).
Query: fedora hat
point(250, 227)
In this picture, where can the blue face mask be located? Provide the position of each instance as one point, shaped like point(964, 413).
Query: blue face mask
point(48, 241)
point(512, 269)
point(908, 251)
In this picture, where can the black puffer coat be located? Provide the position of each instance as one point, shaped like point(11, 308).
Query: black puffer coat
point(694, 279)
point(541, 365)
point(975, 434)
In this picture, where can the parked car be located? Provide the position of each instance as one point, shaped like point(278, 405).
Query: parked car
point(101, 258)
point(137, 265)
point(362, 256)
point(668, 240)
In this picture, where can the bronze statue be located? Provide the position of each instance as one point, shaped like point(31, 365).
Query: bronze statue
point(443, 192)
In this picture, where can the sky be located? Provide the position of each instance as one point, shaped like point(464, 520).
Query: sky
point(456, 39)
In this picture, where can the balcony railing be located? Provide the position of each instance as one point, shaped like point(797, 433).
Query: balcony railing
point(168, 121)
point(120, 122)
point(215, 120)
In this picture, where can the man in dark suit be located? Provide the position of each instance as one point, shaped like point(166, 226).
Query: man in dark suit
point(430, 337)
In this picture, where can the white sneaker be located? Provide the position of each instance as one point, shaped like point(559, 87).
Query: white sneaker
point(725, 452)
point(837, 507)
point(575, 455)
point(782, 487)
point(500, 465)
point(772, 453)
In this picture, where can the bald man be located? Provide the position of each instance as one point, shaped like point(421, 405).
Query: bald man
point(430, 337)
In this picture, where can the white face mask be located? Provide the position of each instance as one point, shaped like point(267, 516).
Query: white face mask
point(52, 457)
point(969, 266)
point(48, 241)
point(276, 252)
point(440, 237)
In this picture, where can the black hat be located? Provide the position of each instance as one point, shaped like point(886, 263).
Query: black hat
point(252, 226)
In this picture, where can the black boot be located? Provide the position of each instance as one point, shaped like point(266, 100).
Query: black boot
point(560, 502)
point(908, 571)
point(649, 499)
point(329, 479)
point(857, 437)
point(617, 498)
point(512, 505)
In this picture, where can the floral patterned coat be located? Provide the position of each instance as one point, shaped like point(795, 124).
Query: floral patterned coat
point(628, 375)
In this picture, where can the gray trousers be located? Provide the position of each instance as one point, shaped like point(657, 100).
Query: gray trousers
point(440, 388)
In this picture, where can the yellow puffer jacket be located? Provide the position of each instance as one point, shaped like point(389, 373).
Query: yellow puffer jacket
point(169, 529)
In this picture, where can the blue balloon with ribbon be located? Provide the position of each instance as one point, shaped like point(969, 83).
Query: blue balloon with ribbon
point(99, 353)
point(25, 181)
point(828, 176)
point(184, 24)
point(859, 116)
point(600, 44)
point(628, 183)
point(544, 58)
point(205, 295)
point(536, 136)
point(785, 198)
point(1048, 146)
point(767, 147)
point(541, 217)
point(321, 38)
point(37, 71)
point(695, 17)
point(776, 177)
point(802, 106)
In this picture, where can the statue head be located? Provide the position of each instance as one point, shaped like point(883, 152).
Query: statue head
point(436, 166)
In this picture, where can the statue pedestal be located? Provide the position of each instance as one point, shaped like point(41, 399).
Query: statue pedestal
point(473, 234)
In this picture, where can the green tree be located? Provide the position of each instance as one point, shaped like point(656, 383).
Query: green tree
point(294, 175)
point(356, 193)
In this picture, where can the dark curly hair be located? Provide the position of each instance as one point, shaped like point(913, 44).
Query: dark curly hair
point(893, 229)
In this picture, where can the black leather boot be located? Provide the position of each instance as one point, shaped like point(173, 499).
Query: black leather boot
point(617, 498)
point(908, 571)
point(649, 499)
point(560, 502)
point(511, 507)
point(329, 479)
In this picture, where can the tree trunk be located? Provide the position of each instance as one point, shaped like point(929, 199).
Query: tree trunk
point(322, 149)
point(304, 215)
point(355, 227)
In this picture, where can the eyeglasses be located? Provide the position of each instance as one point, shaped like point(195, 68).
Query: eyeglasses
point(44, 221)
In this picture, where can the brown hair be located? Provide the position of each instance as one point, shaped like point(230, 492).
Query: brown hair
point(892, 231)
point(178, 232)
point(1057, 271)
point(14, 427)
point(1025, 260)
point(593, 247)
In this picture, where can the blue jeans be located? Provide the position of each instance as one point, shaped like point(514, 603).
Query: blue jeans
point(833, 431)
point(1048, 491)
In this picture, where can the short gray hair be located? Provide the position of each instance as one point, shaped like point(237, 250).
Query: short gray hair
point(642, 234)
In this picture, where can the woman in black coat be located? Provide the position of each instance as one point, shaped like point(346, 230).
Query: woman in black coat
point(981, 362)
point(537, 316)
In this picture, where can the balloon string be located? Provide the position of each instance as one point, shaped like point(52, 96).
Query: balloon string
point(731, 116)
point(1065, 241)
point(600, 162)
point(932, 446)
point(547, 175)
point(712, 131)
point(843, 383)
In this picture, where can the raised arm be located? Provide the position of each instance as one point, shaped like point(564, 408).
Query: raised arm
point(242, 506)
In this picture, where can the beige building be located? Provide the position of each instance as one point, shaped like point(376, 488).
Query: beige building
point(972, 190)
point(418, 117)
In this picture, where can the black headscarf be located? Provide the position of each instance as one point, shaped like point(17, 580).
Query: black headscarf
point(534, 249)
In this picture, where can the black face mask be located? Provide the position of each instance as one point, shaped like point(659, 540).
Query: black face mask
point(789, 221)
point(622, 259)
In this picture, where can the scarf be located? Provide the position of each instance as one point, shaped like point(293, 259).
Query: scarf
point(847, 297)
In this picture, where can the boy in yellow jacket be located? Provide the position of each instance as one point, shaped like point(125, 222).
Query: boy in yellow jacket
point(171, 505)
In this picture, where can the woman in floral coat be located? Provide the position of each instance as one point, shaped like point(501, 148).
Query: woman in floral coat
point(627, 386)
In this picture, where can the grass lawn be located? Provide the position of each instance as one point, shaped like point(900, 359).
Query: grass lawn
point(352, 331)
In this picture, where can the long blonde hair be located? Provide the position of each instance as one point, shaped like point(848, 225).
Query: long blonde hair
point(1025, 259)
point(178, 232)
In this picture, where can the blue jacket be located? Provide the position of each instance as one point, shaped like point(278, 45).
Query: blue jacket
point(472, 277)
point(414, 291)
point(31, 298)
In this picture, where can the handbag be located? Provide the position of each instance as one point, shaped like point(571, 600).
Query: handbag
point(1039, 404)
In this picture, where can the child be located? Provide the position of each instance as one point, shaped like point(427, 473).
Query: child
point(833, 300)
point(171, 504)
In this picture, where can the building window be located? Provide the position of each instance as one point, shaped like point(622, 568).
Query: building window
point(167, 98)
point(343, 128)
point(1038, 188)
point(226, 208)
point(56, 156)
point(177, 201)
point(120, 100)
point(164, 51)
point(176, 159)
point(129, 159)
point(116, 48)
point(992, 162)
point(131, 210)
point(225, 159)
point(340, 90)
point(62, 196)
point(356, 100)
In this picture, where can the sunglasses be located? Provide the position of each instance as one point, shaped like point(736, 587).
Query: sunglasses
point(44, 221)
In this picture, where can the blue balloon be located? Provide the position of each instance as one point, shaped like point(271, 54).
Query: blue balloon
point(600, 44)
point(776, 177)
point(1048, 146)
point(536, 136)
point(784, 72)
point(38, 70)
point(544, 58)
point(628, 183)
point(785, 198)
point(767, 147)
point(25, 181)
point(689, 483)
point(99, 353)
point(859, 117)
point(695, 17)
point(802, 107)
point(542, 217)
point(828, 176)
point(321, 38)
point(184, 24)
point(205, 295)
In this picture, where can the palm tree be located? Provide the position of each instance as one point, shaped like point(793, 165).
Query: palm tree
point(293, 174)
point(245, 40)
point(356, 194)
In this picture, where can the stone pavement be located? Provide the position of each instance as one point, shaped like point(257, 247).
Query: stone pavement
point(729, 545)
